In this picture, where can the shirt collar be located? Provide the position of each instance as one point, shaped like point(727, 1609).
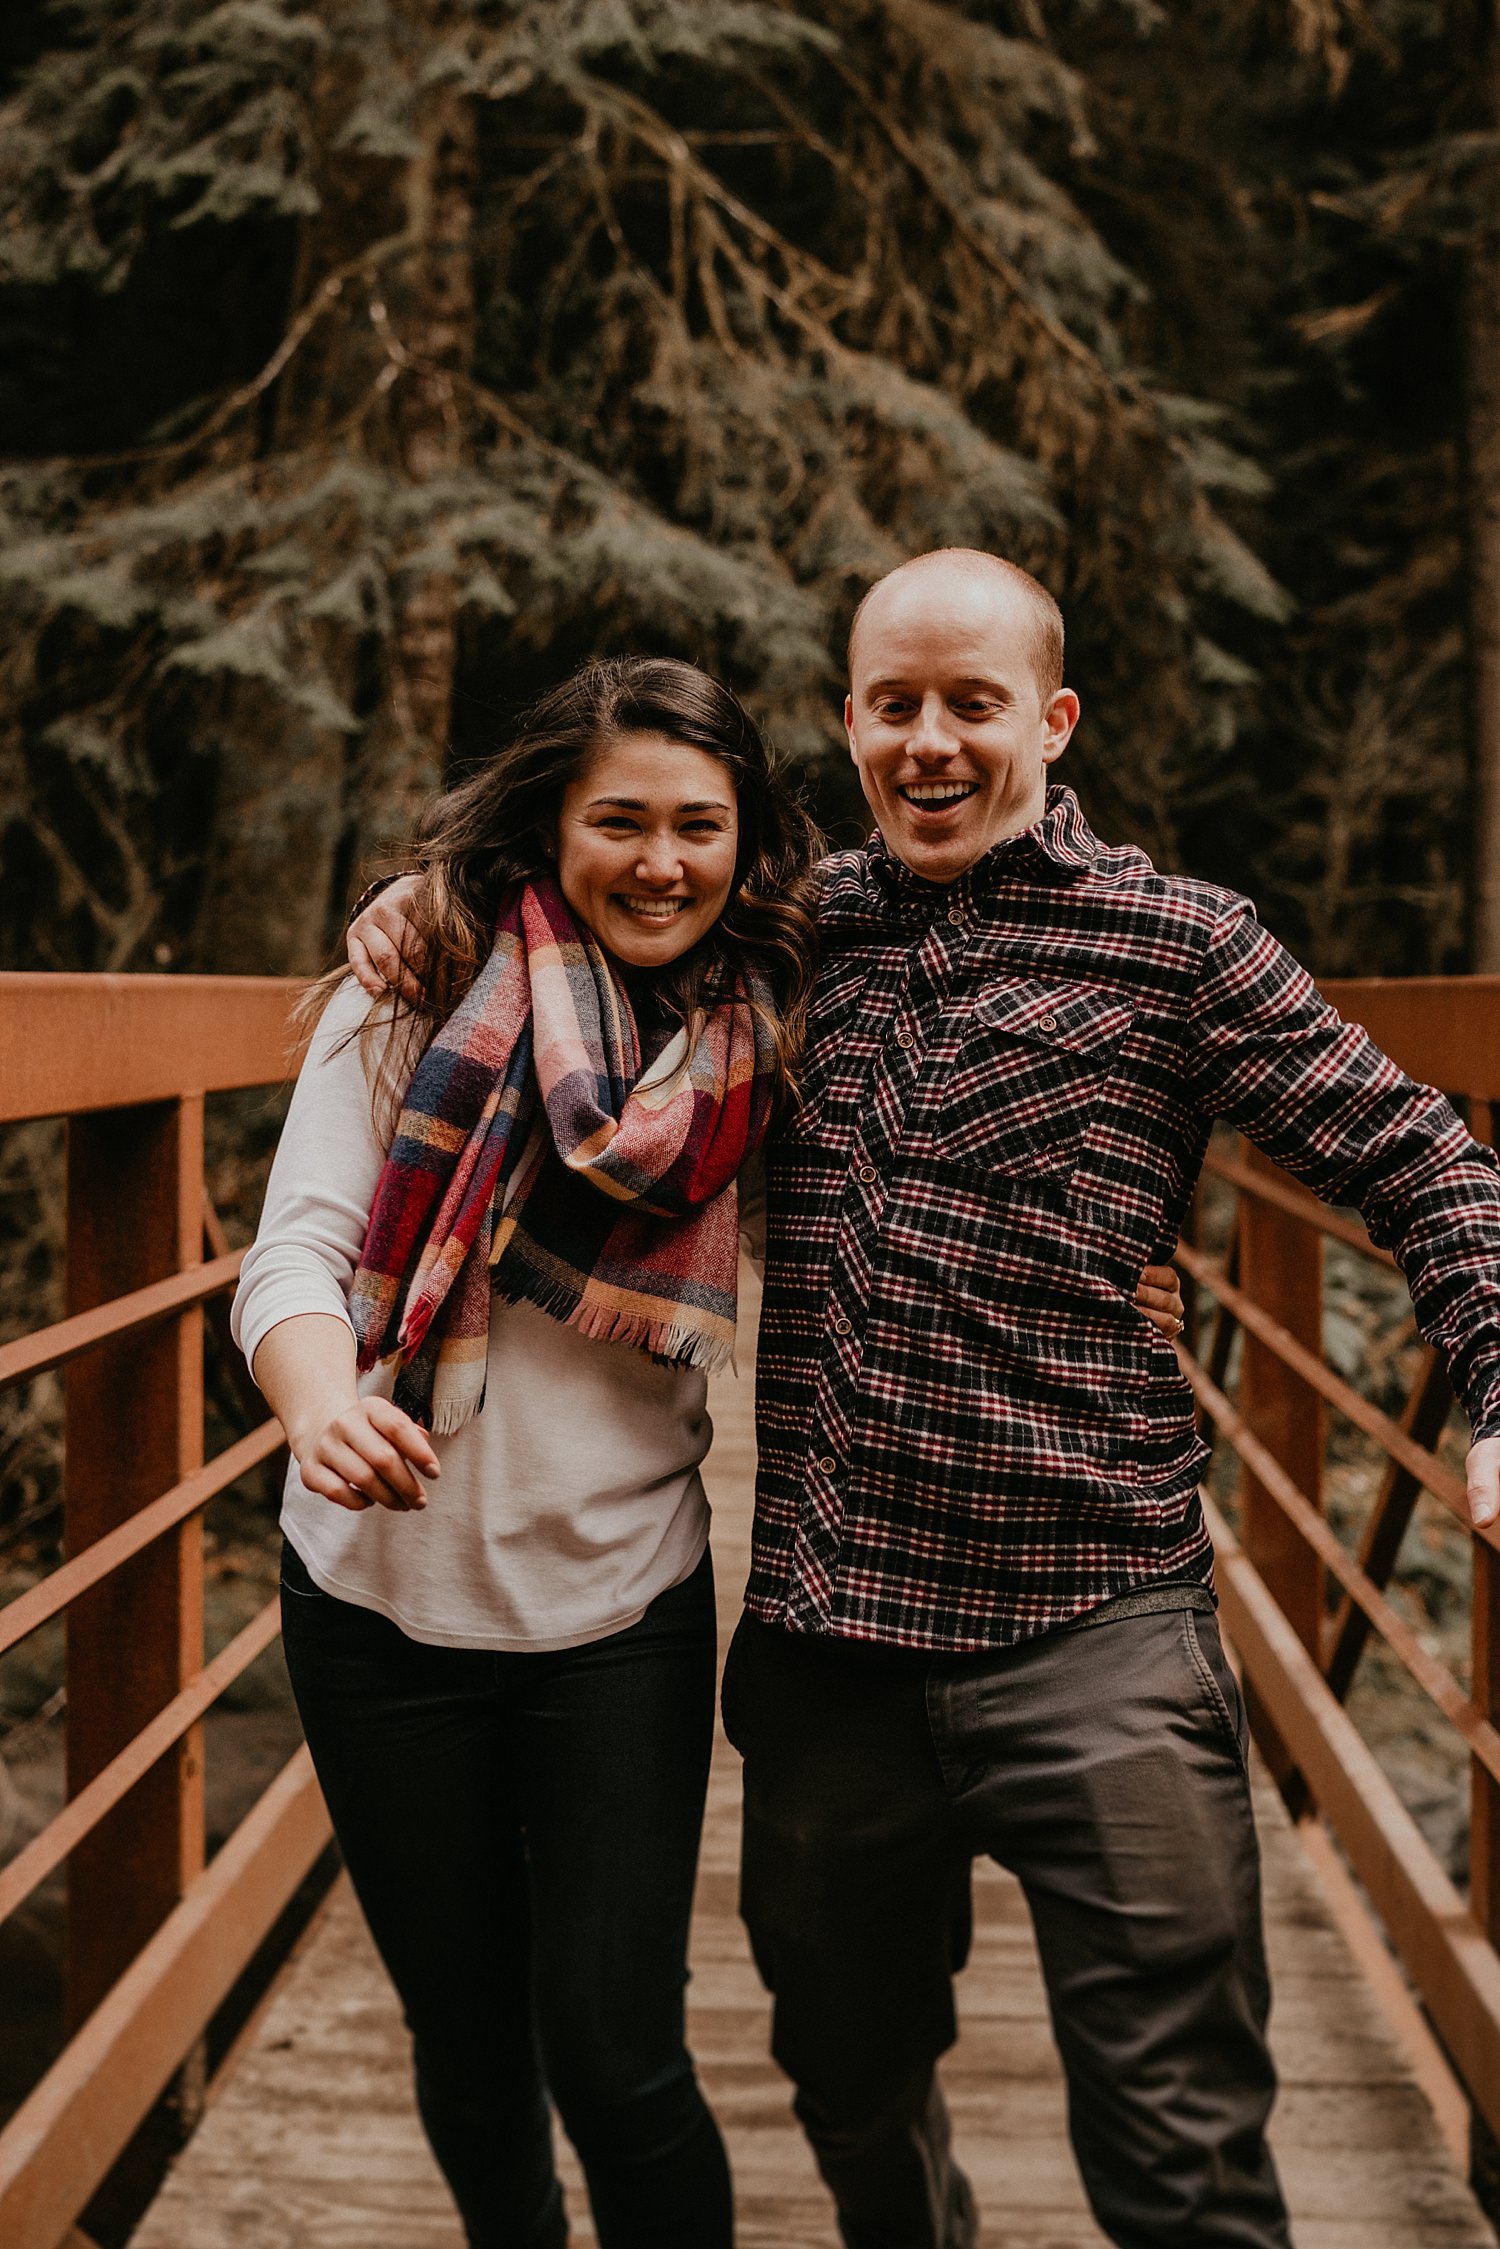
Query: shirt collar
point(1060, 843)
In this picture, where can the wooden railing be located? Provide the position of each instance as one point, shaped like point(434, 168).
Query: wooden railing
point(155, 1939)
point(1299, 1647)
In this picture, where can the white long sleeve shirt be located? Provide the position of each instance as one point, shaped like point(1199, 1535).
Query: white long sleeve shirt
point(563, 1508)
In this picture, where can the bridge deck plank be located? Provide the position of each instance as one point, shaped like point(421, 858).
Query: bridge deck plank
point(313, 2142)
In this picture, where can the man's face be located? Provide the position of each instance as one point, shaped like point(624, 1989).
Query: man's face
point(947, 725)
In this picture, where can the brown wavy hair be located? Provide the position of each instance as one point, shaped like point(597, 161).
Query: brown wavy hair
point(498, 828)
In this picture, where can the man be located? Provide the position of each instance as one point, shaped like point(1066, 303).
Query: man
point(979, 1617)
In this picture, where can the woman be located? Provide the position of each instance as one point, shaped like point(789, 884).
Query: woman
point(508, 1691)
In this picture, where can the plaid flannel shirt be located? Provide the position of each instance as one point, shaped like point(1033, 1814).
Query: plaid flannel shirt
point(968, 1433)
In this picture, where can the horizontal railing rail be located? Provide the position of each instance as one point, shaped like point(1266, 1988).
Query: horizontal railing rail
point(1300, 1649)
point(69, 1339)
point(1419, 1462)
point(1450, 1959)
point(156, 1937)
point(28, 1611)
point(85, 1810)
point(1433, 1677)
point(78, 1044)
point(1297, 1203)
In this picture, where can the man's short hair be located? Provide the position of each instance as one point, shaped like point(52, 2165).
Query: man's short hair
point(1046, 619)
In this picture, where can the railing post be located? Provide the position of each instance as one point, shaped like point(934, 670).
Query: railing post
point(1281, 1267)
point(1484, 1796)
point(134, 1427)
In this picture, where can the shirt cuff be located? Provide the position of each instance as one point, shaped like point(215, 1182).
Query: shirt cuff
point(1482, 1393)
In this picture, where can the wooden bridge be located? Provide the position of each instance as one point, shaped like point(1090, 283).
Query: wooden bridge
point(1387, 2020)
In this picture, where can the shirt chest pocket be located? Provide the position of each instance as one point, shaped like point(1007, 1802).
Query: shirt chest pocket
point(1031, 1060)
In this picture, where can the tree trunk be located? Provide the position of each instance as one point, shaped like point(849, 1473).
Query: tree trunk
point(432, 415)
point(1482, 431)
point(275, 850)
point(433, 320)
point(300, 805)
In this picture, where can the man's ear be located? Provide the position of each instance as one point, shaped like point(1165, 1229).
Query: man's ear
point(1058, 721)
point(849, 726)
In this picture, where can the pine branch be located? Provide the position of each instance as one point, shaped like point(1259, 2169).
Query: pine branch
point(1120, 389)
point(322, 301)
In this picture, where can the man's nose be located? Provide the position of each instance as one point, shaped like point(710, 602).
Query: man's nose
point(933, 734)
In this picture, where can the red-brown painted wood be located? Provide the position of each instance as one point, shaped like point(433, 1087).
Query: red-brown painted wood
point(134, 1427)
point(106, 1042)
point(1281, 1268)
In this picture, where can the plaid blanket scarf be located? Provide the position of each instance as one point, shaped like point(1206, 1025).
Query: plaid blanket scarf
point(623, 1218)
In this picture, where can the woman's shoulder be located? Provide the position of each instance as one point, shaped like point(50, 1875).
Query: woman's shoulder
point(349, 1012)
point(339, 1024)
point(361, 1042)
point(348, 1008)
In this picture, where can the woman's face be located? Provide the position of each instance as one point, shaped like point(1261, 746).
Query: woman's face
point(647, 838)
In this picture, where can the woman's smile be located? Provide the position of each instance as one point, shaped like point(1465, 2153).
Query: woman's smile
point(653, 909)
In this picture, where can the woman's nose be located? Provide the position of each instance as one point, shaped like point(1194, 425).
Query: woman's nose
point(660, 860)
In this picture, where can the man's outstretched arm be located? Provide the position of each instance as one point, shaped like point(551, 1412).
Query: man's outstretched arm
point(1271, 1055)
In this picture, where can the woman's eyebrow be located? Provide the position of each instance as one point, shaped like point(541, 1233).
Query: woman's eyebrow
point(639, 804)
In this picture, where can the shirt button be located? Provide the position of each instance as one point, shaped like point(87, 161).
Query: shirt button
point(904, 1038)
point(867, 1173)
point(827, 1464)
point(956, 915)
point(1049, 1022)
point(843, 1327)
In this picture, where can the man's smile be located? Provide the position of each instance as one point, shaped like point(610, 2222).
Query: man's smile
point(936, 792)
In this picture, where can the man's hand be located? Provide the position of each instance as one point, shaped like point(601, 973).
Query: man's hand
point(1483, 1471)
point(371, 1452)
point(1159, 1295)
point(384, 949)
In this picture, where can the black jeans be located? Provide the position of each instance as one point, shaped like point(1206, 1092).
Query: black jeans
point(1106, 1767)
point(522, 1832)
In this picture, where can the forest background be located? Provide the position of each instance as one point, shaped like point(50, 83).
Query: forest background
point(365, 364)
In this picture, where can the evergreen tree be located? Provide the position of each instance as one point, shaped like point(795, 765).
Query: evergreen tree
point(1303, 188)
point(440, 342)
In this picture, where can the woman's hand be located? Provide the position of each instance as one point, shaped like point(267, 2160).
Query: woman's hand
point(370, 1453)
point(1159, 1295)
point(384, 949)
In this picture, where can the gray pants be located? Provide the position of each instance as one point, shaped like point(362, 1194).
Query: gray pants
point(1106, 1767)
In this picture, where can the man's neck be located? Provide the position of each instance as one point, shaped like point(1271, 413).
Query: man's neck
point(946, 881)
